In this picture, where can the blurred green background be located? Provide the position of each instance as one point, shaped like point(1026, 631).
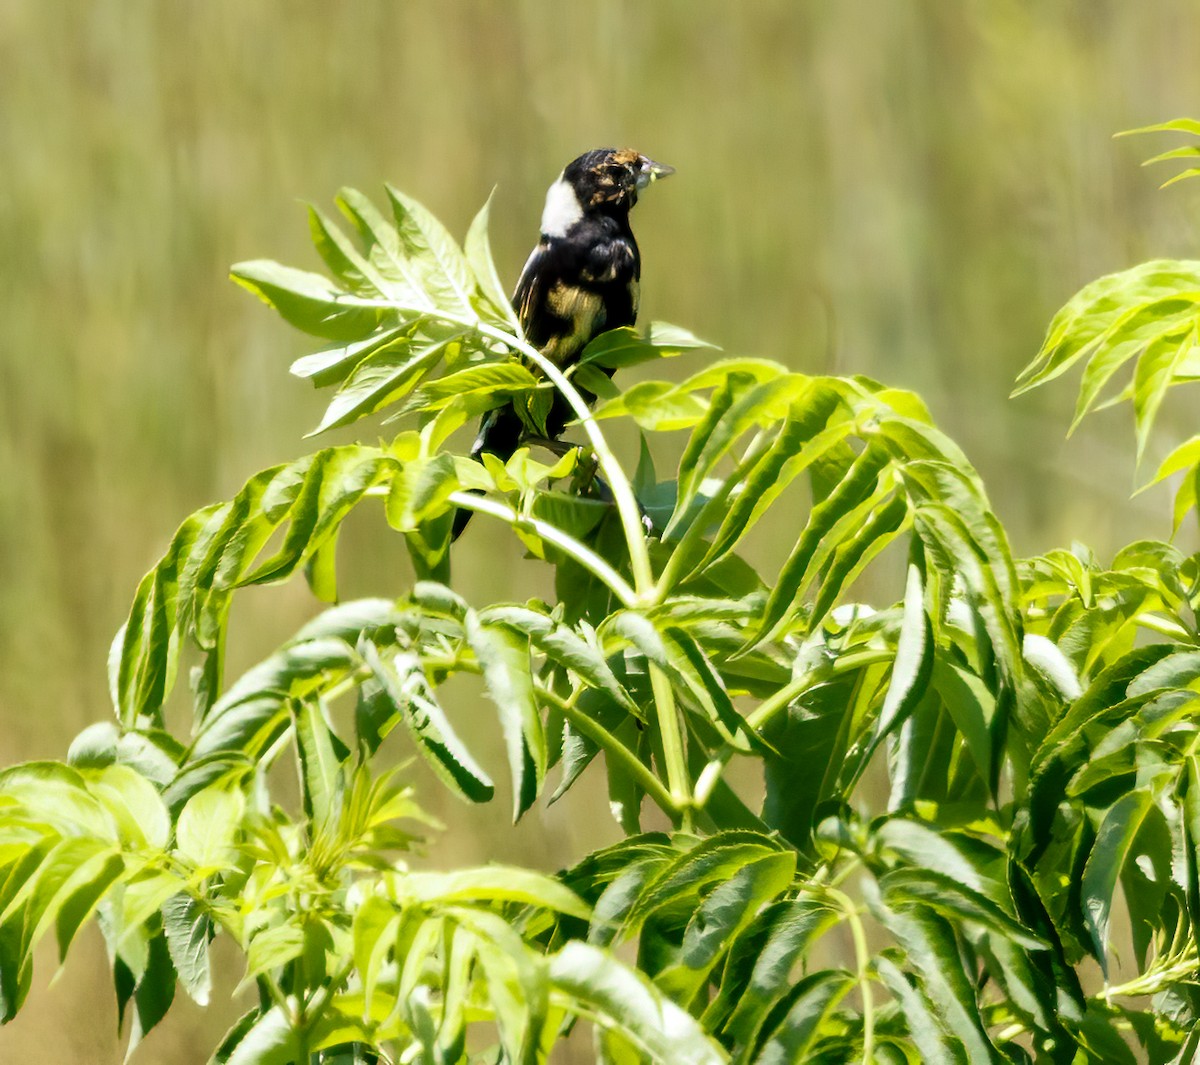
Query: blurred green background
point(903, 189)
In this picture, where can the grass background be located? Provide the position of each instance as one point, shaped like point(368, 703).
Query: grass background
point(903, 189)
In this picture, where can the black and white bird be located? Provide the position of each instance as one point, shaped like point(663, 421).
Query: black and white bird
point(581, 279)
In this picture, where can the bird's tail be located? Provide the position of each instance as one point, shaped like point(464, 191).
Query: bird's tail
point(499, 435)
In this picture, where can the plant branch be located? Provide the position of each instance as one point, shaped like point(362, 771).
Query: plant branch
point(616, 750)
point(775, 704)
point(580, 552)
point(862, 957)
point(614, 473)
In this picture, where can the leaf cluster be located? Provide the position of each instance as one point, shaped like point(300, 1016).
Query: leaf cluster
point(967, 787)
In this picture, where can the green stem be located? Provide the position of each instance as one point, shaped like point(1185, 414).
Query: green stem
point(1154, 981)
point(350, 682)
point(617, 751)
point(580, 552)
point(863, 960)
point(772, 706)
point(614, 473)
point(274, 991)
point(622, 490)
point(778, 702)
point(672, 744)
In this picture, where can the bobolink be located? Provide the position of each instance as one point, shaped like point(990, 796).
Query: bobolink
point(581, 279)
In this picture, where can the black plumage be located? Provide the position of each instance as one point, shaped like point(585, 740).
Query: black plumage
point(581, 279)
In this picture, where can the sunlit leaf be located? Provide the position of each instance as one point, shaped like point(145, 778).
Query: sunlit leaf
point(208, 825)
point(504, 657)
point(661, 1030)
point(414, 702)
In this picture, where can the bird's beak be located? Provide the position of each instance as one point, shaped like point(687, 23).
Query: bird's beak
point(649, 171)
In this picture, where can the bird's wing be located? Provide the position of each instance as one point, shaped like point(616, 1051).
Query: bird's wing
point(529, 294)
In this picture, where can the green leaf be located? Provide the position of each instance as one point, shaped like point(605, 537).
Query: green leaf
point(504, 657)
point(384, 250)
point(214, 551)
point(714, 860)
point(625, 999)
point(1101, 311)
point(662, 406)
point(153, 994)
point(1189, 151)
point(1184, 457)
point(435, 598)
point(933, 952)
point(942, 852)
point(803, 1011)
point(801, 441)
point(333, 482)
point(134, 805)
point(491, 884)
point(722, 914)
point(273, 948)
point(1176, 125)
point(692, 671)
point(761, 961)
point(581, 654)
point(321, 570)
point(492, 381)
point(57, 794)
point(808, 743)
point(271, 1041)
point(343, 258)
point(409, 692)
point(188, 929)
point(389, 373)
point(738, 405)
point(971, 705)
point(954, 901)
point(321, 770)
point(478, 251)
point(840, 512)
point(234, 1036)
point(886, 519)
point(76, 904)
point(913, 665)
point(308, 301)
point(332, 364)
point(436, 257)
point(1114, 840)
point(624, 793)
point(618, 348)
point(70, 876)
point(208, 825)
point(376, 923)
point(1154, 374)
point(920, 1016)
point(247, 727)
point(95, 746)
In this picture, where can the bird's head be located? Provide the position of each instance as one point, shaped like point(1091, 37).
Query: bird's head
point(602, 181)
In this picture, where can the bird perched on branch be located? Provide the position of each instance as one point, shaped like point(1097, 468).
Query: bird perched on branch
point(580, 280)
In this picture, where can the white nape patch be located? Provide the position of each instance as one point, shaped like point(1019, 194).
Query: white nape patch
point(562, 209)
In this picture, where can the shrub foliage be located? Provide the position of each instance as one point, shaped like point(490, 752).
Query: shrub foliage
point(979, 839)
